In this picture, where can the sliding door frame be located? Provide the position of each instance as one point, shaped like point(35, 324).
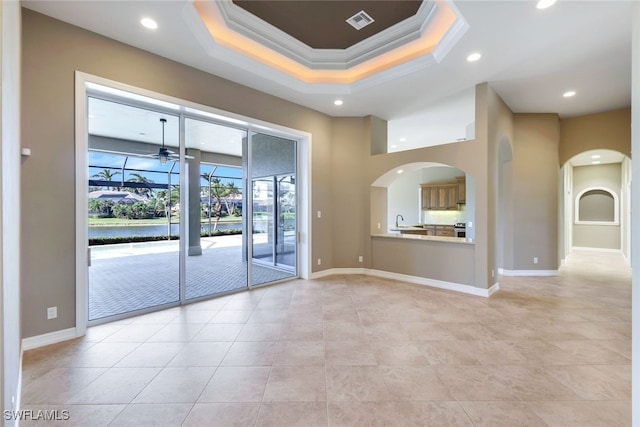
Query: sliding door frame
point(185, 109)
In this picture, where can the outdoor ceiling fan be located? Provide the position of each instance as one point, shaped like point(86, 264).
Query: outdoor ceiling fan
point(164, 154)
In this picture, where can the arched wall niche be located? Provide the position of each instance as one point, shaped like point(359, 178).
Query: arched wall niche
point(397, 194)
point(597, 205)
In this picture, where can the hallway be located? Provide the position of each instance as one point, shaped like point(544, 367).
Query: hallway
point(357, 350)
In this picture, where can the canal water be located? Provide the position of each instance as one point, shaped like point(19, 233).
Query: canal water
point(151, 230)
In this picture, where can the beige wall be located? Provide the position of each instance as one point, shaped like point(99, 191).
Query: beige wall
point(535, 191)
point(428, 259)
point(610, 130)
point(499, 121)
point(350, 196)
point(10, 347)
point(52, 52)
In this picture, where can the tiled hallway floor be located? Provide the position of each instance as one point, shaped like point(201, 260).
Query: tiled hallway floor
point(358, 351)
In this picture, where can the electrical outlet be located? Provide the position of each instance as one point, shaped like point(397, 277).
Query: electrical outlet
point(378, 226)
point(493, 274)
point(319, 214)
point(52, 313)
point(360, 258)
point(535, 259)
point(319, 261)
point(470, 224)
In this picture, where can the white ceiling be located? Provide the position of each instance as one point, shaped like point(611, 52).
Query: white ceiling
point(596, 157)
point(529, 56)
point(117, 120)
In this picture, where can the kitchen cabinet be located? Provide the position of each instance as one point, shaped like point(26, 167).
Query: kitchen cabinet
point(430, 230)
point(440, 196)
point(444, 230)
point(461, 182)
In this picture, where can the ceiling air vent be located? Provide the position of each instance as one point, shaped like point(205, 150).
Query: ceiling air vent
point(360, 20)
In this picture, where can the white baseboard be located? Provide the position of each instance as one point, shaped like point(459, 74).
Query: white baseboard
point(527, 272)
point(450, 286)
point(47, 339)
point(337, 271)
point(493, 289)
point(590, 249)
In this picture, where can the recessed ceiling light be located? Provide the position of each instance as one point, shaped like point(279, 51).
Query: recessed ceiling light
point(149, 23)
point(595, 156)
point(569, 94)
point(597, 162)
point(400, 171)
point(474, 57)
point(543, 4)
point(338, 102)
point(403, 139)
point(393, 145)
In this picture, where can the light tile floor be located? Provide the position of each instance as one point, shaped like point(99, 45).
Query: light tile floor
point(358, 351)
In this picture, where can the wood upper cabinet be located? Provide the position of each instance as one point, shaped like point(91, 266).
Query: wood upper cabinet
point(441, 196)
point(429, 197)
point(461, 182)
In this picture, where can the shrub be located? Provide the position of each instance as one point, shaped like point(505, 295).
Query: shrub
point(96, 241)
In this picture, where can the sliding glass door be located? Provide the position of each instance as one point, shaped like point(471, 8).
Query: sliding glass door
point(182, 207)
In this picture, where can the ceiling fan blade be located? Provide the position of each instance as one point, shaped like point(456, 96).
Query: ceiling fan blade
point(177, 156)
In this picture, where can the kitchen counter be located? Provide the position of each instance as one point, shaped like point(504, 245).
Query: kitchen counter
point(425, 237)
point(440, 230)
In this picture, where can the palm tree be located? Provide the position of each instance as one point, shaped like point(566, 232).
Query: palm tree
point(230, 200)
point(107, 175)
point(218, 192)
point(141, 179)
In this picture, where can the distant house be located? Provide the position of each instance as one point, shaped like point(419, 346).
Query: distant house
point(122, 197)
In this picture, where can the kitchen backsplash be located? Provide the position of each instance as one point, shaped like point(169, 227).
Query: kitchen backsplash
point(444, 217)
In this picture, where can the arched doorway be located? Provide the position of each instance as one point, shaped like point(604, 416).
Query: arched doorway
point(596, 208)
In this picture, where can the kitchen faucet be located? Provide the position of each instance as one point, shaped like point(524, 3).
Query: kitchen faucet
point(398, 216)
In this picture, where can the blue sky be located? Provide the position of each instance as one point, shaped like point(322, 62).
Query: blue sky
point(154, 170)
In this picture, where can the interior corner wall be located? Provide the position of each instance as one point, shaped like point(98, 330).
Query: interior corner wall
point(10, 348)
point(536, 173)
point(351, 195)
point(52, 51)
point(610, 130)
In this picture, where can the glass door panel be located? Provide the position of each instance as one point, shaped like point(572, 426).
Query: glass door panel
point(133, 210)
point(285, 249)
point(274, 229)
point(215, 258)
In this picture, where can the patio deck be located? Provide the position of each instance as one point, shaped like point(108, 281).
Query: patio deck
point(130, 277)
